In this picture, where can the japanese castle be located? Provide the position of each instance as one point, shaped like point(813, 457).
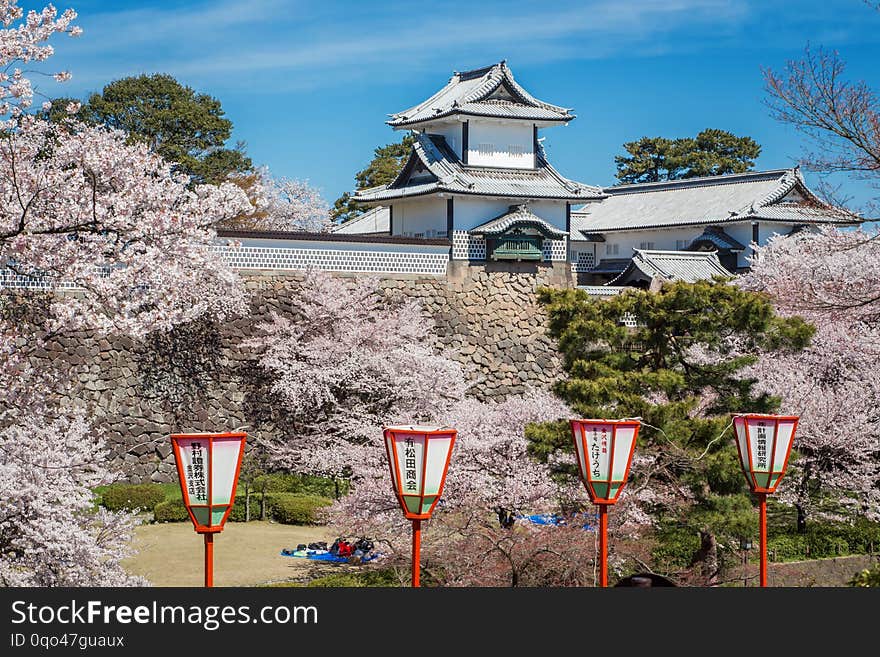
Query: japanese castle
point(478, 177)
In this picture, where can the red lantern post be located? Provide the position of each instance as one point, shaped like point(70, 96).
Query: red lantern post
point(604, 450)
point(763, 443)
point(207, 466)
point(419, 458)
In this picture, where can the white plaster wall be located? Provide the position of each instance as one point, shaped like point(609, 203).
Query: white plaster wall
point(315, 245)
point(420, 215)
point(501, 136)
point(665, 239)
point(451, 131)
point(471, 212)
point(578, 246)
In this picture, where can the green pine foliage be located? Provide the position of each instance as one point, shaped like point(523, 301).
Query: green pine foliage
point(387, 162)
point(185, 127)
point(681, 371)
point(712, 152)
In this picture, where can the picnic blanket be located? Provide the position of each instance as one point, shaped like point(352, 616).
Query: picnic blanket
point(324, 555)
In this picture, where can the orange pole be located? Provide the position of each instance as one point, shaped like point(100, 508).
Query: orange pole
point(416, 551)
point(603, 545)
point(762, 501)
point(209, 560)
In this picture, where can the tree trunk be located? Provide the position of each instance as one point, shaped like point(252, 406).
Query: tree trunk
point(263, 505)
point(801, 519)
point(707, 557)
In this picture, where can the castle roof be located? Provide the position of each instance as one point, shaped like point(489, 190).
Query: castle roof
point(689, 266)
point(434, 167)
point(374, 220)
point(518, 216)
point(778, 195)
point(490, 91)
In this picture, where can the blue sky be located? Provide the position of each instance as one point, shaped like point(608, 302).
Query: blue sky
point(309, 84)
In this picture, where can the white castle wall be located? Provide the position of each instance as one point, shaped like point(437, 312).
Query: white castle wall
point(503, 144)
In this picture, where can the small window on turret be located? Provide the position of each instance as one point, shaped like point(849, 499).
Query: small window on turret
point(486, 149)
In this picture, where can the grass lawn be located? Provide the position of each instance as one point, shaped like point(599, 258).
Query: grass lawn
point(245, 554)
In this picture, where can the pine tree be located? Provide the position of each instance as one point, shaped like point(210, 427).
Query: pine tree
point(680, 370)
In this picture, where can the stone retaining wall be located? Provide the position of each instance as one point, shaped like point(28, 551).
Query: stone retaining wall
point(198, 378)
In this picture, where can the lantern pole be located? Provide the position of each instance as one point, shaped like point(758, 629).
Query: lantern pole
point(209, 560)
point(603, 545)
point(416, 552)
point(762, 503)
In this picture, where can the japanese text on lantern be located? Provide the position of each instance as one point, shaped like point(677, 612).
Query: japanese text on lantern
point(409, 466)
point(761, 446)
point(196, 473)
point(594, 451)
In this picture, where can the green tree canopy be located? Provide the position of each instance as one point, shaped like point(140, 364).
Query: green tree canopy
point(387, 162)
point(681, 369)
point(712, 152)
point(179, 124)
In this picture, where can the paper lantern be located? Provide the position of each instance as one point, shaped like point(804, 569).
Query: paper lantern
point(419, 458)
point(604, 451)
point(764, 444)
point(208, 465)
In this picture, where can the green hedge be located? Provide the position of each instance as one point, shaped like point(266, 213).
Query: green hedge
point(170, 511)
point(285, 508)
point(295, 509)
point(280, 482)
point(825, 539)
point(132, 496)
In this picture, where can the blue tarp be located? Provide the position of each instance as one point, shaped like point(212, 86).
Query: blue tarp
point(556, 520)
point(324, 556)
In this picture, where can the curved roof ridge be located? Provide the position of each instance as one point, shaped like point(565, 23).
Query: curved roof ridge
point(699, 181)
point(475, 86)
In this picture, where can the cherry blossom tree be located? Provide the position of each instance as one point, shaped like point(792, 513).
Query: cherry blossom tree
point(345, 360)
point(49, 534)
point(107, 239)
point(23, 40)
point(830, 279)
point(280, 204)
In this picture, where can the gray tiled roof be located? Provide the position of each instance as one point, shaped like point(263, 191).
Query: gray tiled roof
point(446, 173)
point(374, 220)
point(716, 236)
point(489, 91)
point(518, 215)
point(610, 266)
point(712, 200)
point(688, 266)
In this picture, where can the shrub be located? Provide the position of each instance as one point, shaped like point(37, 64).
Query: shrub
point(869, 577)
point(239, 509)
point(675, 547)
point(371, 578)
point(170, 511)
point(281, 482)
point(295, 509)
point(132, 496)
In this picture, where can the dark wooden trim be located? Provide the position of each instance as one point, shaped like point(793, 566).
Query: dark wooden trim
point(450, 221)
point(568, 231)
point(465, 127)
point(391, 220)
point(329, 237)
point(450, 216)
point(534, 146)
point(756, 232)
